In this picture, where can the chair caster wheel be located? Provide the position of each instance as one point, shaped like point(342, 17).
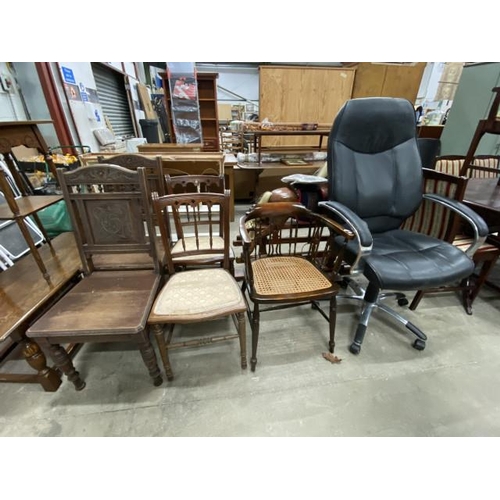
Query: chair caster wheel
point(355, 348)
point(419, 345)
point(402, 302)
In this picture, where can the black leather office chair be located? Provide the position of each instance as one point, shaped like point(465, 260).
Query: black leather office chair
point(375, 183)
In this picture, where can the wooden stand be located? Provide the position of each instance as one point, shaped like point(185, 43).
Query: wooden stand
point(21, 208)
point(489, 126)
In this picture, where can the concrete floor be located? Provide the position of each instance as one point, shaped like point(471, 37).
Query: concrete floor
point(390, 389)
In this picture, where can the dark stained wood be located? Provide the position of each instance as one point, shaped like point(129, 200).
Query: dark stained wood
point(18, 209)
point(490, 125)
point(23, 292)
point(28, 205)
point(483, 196)
point(297, 244)
point(153, 168)
point(24, 295)
point(107, 204)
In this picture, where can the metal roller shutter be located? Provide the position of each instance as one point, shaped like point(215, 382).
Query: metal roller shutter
point(113, 99)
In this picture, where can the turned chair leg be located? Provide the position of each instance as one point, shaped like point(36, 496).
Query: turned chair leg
point(63, 361)
point(162, 346)
point(333, 320)
point(255, 336)
point(243, 338)
point(149, 357)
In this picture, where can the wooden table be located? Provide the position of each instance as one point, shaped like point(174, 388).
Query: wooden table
point(259, 134)
point(25, 295)
point(187, 163)
point(268, 174)
point(483, 196)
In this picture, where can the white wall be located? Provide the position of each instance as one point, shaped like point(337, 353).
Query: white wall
point(243, 80)
point(87, 113)
point(11, 106)
point(77, 80)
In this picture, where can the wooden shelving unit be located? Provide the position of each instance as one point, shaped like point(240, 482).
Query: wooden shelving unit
point(207, 98)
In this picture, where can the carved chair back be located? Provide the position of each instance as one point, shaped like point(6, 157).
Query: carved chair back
point(153, 167)
point(107, 204)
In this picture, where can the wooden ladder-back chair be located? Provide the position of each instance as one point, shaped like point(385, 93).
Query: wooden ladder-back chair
point(197, 295)
point(439, 222)
point(290, 260)
point(107, 205)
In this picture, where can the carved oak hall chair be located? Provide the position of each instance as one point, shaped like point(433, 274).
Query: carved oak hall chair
point(196, 295)
point(289, 261)
point(375, 176)
point(106, 204)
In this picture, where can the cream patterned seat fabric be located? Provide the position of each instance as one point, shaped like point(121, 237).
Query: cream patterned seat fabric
point(199, 294)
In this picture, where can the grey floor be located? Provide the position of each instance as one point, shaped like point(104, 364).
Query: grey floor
point(390, 389)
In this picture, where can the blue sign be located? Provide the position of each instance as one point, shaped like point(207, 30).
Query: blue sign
point(68, 75)
point(84, 96)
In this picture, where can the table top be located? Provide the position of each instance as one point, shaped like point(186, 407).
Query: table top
point(292, 132)
point(483, 192)
point(28, 205)
point(23, 289)
point(312, 165)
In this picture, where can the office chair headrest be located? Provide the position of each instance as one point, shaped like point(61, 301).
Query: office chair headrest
point(374, 124)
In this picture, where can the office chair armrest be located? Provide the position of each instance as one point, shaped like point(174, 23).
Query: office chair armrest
point(357, 225)
point(477, 223)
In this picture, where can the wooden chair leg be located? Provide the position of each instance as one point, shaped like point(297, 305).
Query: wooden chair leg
point(63, 361)
point(467, 295)
point(483, 275)
point(149, 357)
point(255, 336)
point(162, 346)
point(416, 300)
point(243, 338)
point(333, 321)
